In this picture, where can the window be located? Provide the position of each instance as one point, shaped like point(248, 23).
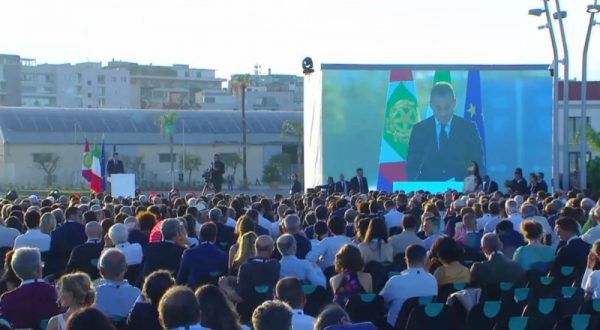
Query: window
point(38, 157)
point(574, 160)
point(198, 74)
point(89, 82)
point(166, 158)
point(123, 79)
point(102, 90)
point(113, 79)
point(187, 74)
point(89, 95)
point(101, 102)
point(574, 127)
point(209, 99)
point(101, 79)
point(79, 77)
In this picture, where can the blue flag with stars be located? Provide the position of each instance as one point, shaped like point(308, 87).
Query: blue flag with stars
point(473, 107)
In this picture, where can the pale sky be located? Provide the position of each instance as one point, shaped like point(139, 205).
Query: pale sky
point(234, 35)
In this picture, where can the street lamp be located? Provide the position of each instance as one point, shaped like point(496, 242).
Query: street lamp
point(593, 10)
point(560, 15)
point(554, 73)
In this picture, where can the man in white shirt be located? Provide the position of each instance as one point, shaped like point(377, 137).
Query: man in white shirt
point(431, 227)
point(593, 233)
point(529, 212)
point(289, 290)
point(324, 252)
point(262, 221)
point(297, 268)
point(413, 282)
point(410, 225)
point(34, 236)
point(118, 234)
point(512, 210)
point(393, 218)
point(490, 225)
point(8, 236)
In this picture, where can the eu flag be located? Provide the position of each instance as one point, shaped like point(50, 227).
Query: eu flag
point(473, 107)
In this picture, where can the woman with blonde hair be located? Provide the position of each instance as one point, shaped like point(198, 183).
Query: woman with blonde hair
point(75, 292)
point(245, 251)
point(244, 225)
point(47, 223)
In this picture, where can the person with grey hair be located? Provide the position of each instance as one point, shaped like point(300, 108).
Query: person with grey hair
point(127, 210)
point(119, 236)
point(512, 211)
point(293, 225)
point(82, 256)
point(593, 234)
point(350, 216)
point(497, 268)
point(298, 268)
point(114, 295)
point(167, 253)
point(34, 300)
point(529, 212)
point(225, 234)
point(586, 205)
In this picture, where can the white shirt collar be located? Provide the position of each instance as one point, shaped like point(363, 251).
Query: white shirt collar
point(438, 124)
point(26, 282)
point(92, 241)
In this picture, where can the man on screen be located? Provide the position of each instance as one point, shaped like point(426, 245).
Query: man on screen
point(442, 147)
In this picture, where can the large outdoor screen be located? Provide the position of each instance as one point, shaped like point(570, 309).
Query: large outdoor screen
point(420, 127)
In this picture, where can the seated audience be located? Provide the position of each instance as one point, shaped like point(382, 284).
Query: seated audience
point(217, 311)
point(289, 290)
point(144, 314)
point(469, 236)
point(34, 300)
point(431, 227)
point(272, 315)
point(593, 233)
point(179, 309)
point(410, 226)
point(591, 278)
point(202, 261)
point(510, 238)
point(114, 295)
point(33, 237)
point(89, 319)
point(350, 280)
point(572, 250)
point(450, 254)
point(332, 315)
point(119, 236)
point(375, 246)
point(498, 268)
point(298, 268)
point(167, 253)
point(238, 256)
point(9, 279)
point(535, 255)
point(292, 226)
point(75, 292)
point(84, 257)
point(413, 282)
point(325, 252)
point(65, 238)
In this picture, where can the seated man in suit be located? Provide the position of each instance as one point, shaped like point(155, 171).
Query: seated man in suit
point(166, 254)
point(572, 250)
point(497, 268)
point(200, 262)
point(342, 186)
point(64, 239)
point(34, 300)
point(225, 234)
point(84, 258)
point(114, 295)
point(441, 147)
point(359, 183)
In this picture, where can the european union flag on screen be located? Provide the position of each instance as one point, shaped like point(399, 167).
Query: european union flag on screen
point(473, 107)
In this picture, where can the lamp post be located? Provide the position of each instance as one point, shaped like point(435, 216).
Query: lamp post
point(560, 15)
point(554, 72)
point(593, 10)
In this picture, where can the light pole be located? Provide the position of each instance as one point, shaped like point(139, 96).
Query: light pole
point(592, 9)
point(560, 15)
point(554, 72)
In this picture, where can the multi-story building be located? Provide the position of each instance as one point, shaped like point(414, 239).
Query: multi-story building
point(273, 92)
point(174, 87)
point(10, 80)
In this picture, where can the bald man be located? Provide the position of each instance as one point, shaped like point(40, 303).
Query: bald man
point(261, 271)
point(497, 268)
point(85, 256)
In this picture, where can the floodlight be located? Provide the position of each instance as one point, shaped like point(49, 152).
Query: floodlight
point(560, 14)
point(593, 9)
point(536, 12)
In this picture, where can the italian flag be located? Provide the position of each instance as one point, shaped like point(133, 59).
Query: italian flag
point(96, 178)
point(86, 165)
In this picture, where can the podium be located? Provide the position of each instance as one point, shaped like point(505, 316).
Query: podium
point(122, 185)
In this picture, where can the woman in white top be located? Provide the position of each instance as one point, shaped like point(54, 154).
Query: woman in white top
point(472, 182)
point(75, 292)
point(119, 235)
point(591, 279)
point(375, 246)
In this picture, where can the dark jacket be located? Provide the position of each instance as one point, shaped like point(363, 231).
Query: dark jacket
point(520, 187)
point(84, 258)
point(63, 240)
point(162, 255)
point(490, 187)
point(257, 272)
point(497, 269)
point(572, 253)
point(339, 187)
point(296, 188)
point(113, 167)
point(143, 316)
point(200, 262)
point(425, 162)
point(364, 185)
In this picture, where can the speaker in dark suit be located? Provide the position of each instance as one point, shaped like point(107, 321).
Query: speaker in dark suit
point(442, 147)
point(519, 184)
point(359, 183)
point(115, 165)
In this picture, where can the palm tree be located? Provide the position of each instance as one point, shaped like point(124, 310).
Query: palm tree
point(295, 130)
point(240, 83)
point(593, 138)
point(167, 129)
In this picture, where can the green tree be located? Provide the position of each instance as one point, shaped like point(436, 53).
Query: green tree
point(232, 161)
point(593, 138)
point(295, 130)
point(168, 127)
point(190, 164)
point(47, 162)
point(240, 83)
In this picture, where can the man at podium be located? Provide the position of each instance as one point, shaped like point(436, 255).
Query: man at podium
point(115, 165)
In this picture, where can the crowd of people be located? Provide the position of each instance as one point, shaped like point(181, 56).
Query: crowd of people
point(329, 259)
